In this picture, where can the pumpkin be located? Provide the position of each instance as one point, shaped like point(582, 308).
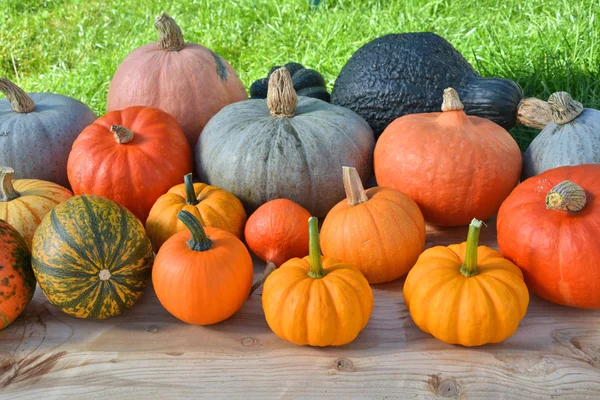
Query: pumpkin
point(571, 138)
point(37, 131)
point(276, 232)
point(380, 231)
point(549, 226)
point(132, 156)
point(454, 166)
point(188, 81)
point(400, 74)
point(284, 147)
point(24, 202)
point(202, 276)
point(306, 82)
point(213, 206)
point(316, 300)
point(466, 294)
point(91, 257)
point(17, 282)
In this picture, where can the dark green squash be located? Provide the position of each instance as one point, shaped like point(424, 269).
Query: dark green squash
point(407, 73)
point(92, 257)
point(307, 82)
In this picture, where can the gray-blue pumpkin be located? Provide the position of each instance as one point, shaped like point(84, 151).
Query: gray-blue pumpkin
point(286, 146)
point(37, 131)
point(572, 138)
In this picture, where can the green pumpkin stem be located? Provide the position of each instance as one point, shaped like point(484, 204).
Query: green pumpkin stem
point(566, 196)
point(190, 193)
point(18, 99)
point(170, 37)
point(451, 101)
point(7, 191)
point(122, 135)
point(314, 249)
point(564, 108)
point(281, 96)
point(469, 267)
point(199, 241)
point(355, 192)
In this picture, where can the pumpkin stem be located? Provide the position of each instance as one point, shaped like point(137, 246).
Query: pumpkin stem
point(270, 267)
point(469, 267)
point(355, 192)
point(534, 113)
point(566, 196)
point(190, 193)
point(170, 37)
point(451, 101)
point(281, 96)
point(564, 108)
point(7, 191)
point(18, 99)
point(199, 241)
point(122, 134)
point(314, 249)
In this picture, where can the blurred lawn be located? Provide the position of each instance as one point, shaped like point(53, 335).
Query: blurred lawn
point(74, 46)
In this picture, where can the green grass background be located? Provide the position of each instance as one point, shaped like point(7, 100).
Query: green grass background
point(73, 47)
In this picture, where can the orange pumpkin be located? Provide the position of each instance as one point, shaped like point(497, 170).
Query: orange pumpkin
point(315, 300)
point(25, 202)
point(189, 81)
point(549, 226)
point(380, 231)
point(202, 276)
point(454, 166)
point(17, 281)
point(213, 206)
point(132, 156)
point(466, 294)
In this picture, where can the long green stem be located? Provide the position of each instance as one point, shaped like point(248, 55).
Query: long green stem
point(190, 193)
point(469, 267)
point(314, 249)
point(199, 241)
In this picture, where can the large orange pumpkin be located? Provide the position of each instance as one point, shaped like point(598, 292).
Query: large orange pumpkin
point(466, 294)
point(25, 202)
point(212, 206)
point(316, 300)
point(187, 80)
point(132, 156)
point(380, 231)
point(550, 227)
point(202, 276)
point(454, 166)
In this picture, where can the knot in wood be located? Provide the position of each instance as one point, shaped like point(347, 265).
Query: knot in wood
point(248, 341)
point(344, 365)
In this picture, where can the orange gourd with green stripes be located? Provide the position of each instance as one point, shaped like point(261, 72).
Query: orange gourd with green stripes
point(92, 257)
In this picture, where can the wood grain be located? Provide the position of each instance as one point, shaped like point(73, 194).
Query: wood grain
point(146, 352)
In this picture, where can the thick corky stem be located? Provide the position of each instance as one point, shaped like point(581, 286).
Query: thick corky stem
point(7, 191)
point(534, 113)
point(18, 99)
point(314, 249)
point(566, 196)
point(564, 108)
point(469, 267)
point(170, 37)
point(281, 96)
point(122, 134)
point(451, 101)
point(199, 241)
point(270, 267)
point(355, 192)
point(190, 192)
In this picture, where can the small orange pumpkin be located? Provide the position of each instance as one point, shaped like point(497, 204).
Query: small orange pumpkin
point(380, 231)
point(202, 276)
point(465, 294)
point(315, 300)
point(213, 206)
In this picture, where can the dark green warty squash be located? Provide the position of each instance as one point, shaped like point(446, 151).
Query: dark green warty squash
point(307, 82)
point(92, 257)
point(407, 73)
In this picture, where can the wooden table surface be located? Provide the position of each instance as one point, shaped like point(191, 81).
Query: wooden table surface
point(145, 352)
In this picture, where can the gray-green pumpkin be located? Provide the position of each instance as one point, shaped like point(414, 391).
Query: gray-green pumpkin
point(572, 138)
point(37, 132)
point(286, 146)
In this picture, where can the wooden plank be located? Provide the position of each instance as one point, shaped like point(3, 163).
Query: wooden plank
point(146, 352)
